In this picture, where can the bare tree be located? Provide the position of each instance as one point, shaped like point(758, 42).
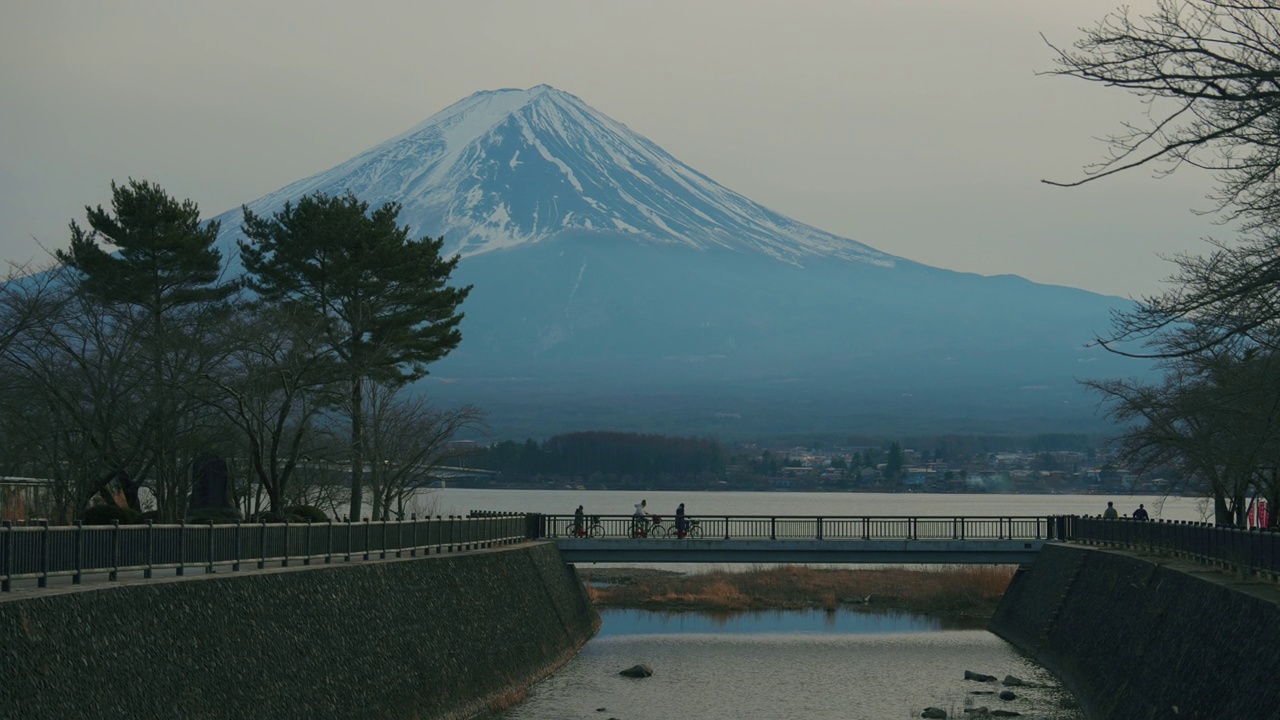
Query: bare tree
point(1213, 419)
point(276, 382)
point(407, 440)
point(81, 414)
point(1208, 73)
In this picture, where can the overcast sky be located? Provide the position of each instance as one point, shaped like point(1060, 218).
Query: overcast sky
point(919, 127)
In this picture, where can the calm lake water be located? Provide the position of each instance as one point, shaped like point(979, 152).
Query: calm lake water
point(813, 665)
point(612, 502)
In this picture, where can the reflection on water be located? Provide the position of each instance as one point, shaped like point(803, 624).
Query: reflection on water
point(644, 622)
point(786, 665)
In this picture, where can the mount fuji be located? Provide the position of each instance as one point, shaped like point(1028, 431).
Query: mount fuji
point(615, 287)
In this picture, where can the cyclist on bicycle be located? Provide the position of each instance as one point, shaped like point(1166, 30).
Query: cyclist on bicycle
point(640, 519)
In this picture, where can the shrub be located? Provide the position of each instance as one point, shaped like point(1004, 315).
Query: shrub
point(214, 516)
point(306, 513)
point(105, 514)
point(267, 516)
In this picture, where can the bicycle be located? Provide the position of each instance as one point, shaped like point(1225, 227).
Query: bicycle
point(658, 530)
point(650, 526)
point(592, 529)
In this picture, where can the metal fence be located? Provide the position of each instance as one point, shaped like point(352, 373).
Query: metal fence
point(1255, 551)
point(44, 551)
point(782, 527)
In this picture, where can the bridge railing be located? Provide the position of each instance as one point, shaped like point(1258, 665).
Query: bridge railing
point(836, 527)
point(45, 551)
point(1254, 551)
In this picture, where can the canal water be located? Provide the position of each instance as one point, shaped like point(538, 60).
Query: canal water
point(808, 665)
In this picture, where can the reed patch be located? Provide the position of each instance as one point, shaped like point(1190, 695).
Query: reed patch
point(954, 590)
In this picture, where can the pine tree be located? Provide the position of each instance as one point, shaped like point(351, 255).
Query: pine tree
point(385, 298)
point(151, 262)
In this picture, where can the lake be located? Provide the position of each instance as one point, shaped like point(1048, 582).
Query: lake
point(459, 501)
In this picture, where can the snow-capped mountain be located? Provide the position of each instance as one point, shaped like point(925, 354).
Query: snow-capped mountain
point(616, 287)
point(507, 167)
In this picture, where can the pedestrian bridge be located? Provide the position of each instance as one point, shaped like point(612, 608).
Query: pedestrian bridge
point(791, 539)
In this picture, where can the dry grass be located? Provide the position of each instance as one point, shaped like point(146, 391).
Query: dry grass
point(507, 699)
point(970, 591)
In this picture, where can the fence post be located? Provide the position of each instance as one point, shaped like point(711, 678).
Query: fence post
point(147, 550)
point(75, 579)
point(115, 550)
point(43, 580)
point(6, 554)
point(235, 561)
point(819, 528)
point(262, 542)
point(773, 528)
point(413, 549)
point(328, 544)
point(306, 556)
point(347, 544)
point(208, 568)
point(382, 554)
point(182, 547)
point(288, 535)
point(367, 531)
point(399, 536)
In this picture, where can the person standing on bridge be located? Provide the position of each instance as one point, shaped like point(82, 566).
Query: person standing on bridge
point(1141, 513)
point(577, 522)
point(1110, 513)
point(682, 524)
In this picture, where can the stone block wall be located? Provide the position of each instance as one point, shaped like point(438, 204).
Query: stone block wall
point(1137, 637)
point(439, 637)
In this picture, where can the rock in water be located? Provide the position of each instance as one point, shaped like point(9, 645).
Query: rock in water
point(1007, 695)
point(1012, 681)
point(637, 671)
point(979, 677)
point(933, 712)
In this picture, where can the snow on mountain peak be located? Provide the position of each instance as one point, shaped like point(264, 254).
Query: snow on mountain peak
point(505, 167)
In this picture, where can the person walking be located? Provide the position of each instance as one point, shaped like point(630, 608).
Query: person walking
point(682, 525)
point(577, 522)
point(1110, 513)
point(1141, 513)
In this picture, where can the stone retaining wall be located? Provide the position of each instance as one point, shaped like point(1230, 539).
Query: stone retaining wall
point(1138, 637)
point(437, 637)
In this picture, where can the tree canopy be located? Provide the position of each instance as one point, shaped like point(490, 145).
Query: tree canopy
point(152, 253)
point(382, 297)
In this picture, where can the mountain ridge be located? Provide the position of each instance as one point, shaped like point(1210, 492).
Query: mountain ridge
point(616, 287)
point(500, 168)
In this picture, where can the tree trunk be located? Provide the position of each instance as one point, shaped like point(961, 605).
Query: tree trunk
point(1221, 514)
point(276, 498)
point(357, 449)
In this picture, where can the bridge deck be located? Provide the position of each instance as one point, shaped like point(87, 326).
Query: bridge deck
point(893, 552)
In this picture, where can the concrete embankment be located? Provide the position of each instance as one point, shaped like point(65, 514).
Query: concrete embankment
point(1139, 637)
point(424, 638)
